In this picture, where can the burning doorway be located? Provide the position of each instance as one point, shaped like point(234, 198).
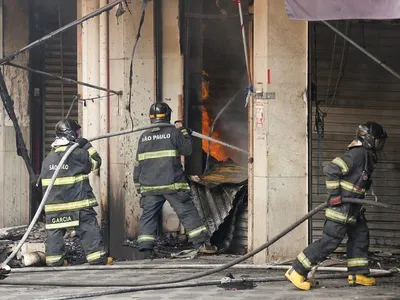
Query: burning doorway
point(215, 95)
point(215, 74)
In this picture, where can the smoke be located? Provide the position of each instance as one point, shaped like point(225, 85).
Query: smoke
point(224, 62)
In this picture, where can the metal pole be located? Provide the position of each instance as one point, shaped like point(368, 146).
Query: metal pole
point(244, 41)
point(60, 30)
point(64, 78)
point(362, 50)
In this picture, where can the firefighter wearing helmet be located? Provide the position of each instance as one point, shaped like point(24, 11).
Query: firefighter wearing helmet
point(348, 176)
point(71, 200)
point(159, 177)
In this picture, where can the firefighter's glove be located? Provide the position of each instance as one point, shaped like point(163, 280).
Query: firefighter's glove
point(189, 130)
point(335, 200)
point(82, 142)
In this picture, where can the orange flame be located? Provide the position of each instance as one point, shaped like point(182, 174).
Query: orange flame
point(216, 150)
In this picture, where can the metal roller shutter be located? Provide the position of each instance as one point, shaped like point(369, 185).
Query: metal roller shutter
point(56, 106)
point(365, 92)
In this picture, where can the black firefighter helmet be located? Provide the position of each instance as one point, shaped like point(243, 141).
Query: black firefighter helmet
point(371, 135)
point(68, 128)
point(160, 112)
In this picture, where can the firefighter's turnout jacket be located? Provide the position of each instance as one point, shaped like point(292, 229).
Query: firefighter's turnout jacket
point(158, 168)
point(350, 177)
point(71, 191)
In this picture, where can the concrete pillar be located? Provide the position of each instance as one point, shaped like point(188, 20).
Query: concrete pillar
point(143, 89)
point(103, 110)
point(91, 74)
point(172, 86)
point(14, 179)
point(280, 130)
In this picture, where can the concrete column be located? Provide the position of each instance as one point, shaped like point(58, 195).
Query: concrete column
point(91, 74)
point(103, 109)
point(14, 178)
point(142, 97)
point(280, 130)
point(172, 86)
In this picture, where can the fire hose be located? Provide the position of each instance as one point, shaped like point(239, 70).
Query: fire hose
point(178, 283)
point(5, 269)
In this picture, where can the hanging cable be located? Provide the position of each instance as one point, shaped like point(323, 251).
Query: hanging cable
point(246, 56)
point(342, 68)
point(144, 5)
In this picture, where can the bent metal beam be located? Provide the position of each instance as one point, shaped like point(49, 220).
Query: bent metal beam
point(60, 30)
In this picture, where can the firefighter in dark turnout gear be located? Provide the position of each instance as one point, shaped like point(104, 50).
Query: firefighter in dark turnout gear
point(71, 200)
point(158, 176)
point(348, 176)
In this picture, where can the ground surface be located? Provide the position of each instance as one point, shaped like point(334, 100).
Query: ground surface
point(387, 288)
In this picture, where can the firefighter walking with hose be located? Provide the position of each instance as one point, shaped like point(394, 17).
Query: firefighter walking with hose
point(348, 176)
point(71, 201)
point(159, 177)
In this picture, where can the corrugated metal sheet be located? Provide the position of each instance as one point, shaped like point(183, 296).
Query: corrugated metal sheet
point(226, 172)
point(366, 92)
point(218, 197)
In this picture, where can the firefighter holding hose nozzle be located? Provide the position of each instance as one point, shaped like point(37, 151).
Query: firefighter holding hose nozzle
point(71, 200)
point(159, 177)
point(348, 176)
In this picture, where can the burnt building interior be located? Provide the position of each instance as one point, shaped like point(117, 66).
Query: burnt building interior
point(215, 94)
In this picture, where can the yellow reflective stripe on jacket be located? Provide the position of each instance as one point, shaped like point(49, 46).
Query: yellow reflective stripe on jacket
point(357, 262)
point(53, 259)
point(62, 225)
point(302, 258)
point(332, 184)
point(170, 187)
point(61, 149)
point(95, 255)
point(342, 165)
point(94, 164)
point(70, 205)
point(184, 132)
point(146, 238)
point(339, 217)
point(65, 180)
point(348, 186)
point(158, 154)
point(91, 151)
point(197, 231)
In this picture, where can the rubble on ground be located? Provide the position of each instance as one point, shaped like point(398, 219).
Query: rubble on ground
point(9, 238)
point(165, 246)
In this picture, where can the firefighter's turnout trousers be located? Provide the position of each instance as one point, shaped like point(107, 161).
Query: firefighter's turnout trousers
point(337, 225)
point(89, 233)
point(181, 202)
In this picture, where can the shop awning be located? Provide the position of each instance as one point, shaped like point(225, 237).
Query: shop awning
point(318, 10)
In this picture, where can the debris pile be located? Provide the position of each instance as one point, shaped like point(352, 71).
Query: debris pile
point(165, 246)
point(9, 238)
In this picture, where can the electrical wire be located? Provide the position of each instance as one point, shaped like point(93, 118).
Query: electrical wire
point(342, 68)
point(142, 16)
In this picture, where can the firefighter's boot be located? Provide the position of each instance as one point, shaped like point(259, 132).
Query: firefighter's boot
point(360, 279)
point(298, 280)
point(110, 260)
point(207, 248)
